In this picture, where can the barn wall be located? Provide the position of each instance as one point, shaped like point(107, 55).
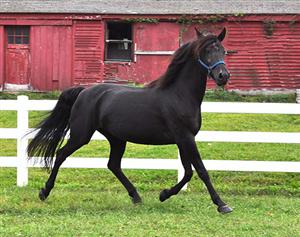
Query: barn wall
point(155, 39)
point(68, 49)
point(261, 60)
point(149, 60)
point(2, 57)
point(264, 60)
point(51, 54)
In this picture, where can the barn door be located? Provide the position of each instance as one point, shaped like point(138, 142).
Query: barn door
point(154, 45)
point(17, 55)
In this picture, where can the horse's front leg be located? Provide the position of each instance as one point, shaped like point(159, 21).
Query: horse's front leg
point(189, 151)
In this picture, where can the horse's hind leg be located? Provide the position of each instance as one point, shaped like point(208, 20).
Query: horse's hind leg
point(76, 141)
point(117, 148)
point(188, 174)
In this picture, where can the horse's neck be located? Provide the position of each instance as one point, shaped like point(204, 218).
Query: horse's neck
point(191, 83)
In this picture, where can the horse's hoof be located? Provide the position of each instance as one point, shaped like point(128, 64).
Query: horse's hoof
point(136, 199)
point(164, 195)
point(224, 209)
point(42, 195)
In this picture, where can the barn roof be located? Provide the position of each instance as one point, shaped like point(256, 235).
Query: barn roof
point(152, 6)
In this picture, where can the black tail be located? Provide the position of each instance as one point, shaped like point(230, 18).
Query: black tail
point(53, 128)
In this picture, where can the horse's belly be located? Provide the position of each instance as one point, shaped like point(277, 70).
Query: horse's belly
point(153, 137)
point(142, 130)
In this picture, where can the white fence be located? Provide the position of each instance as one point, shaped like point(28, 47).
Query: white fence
point(23, 105)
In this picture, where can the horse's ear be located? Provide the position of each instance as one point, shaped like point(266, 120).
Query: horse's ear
point(222, 35)
point(199, 34)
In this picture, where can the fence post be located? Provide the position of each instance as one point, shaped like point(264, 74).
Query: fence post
point(298, 96)
point(22, 125)
point(181, 171)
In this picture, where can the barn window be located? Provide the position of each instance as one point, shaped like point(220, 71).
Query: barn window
point(118, 41)
point(17, 34)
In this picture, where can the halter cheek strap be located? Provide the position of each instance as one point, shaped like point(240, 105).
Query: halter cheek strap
point(212, 67)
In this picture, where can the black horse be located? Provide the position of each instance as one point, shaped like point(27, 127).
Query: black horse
point(167, 111)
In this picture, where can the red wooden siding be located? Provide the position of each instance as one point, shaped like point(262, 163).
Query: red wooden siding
point(154, 38)
point(2, 56)
point(88, 52)
point(264, 61)
point(51, 52)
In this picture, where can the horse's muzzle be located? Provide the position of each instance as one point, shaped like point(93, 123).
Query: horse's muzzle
point(222, 78)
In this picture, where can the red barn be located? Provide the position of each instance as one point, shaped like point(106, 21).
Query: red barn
point(50, 45)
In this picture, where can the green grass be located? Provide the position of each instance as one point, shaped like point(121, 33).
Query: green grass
point(222, 95)
point(91, 202)
point(210, 121)
point(211, 95)
point(32, 95)
point(209, 151)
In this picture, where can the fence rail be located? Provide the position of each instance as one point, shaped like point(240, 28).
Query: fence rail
point(22, 105)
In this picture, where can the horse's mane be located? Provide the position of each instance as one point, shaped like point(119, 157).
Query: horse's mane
point(180, 57)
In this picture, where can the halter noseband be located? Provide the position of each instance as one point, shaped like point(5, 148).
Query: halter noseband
point(212, 67)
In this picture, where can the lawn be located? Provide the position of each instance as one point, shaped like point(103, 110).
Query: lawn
point(91, 202)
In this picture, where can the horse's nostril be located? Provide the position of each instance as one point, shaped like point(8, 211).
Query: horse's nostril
point(224, 76)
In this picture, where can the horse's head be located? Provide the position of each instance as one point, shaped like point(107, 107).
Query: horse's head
point(211, 56)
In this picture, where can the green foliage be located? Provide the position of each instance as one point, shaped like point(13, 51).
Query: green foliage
point(218, 94)
point(214, 19)
point(269, 26)
point(189, 20)
point(238, 14)
point(185, 20)
point(32, 95)
point(142, 20)
point(231, 96)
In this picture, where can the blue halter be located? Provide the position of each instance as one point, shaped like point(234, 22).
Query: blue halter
point(212, 67)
